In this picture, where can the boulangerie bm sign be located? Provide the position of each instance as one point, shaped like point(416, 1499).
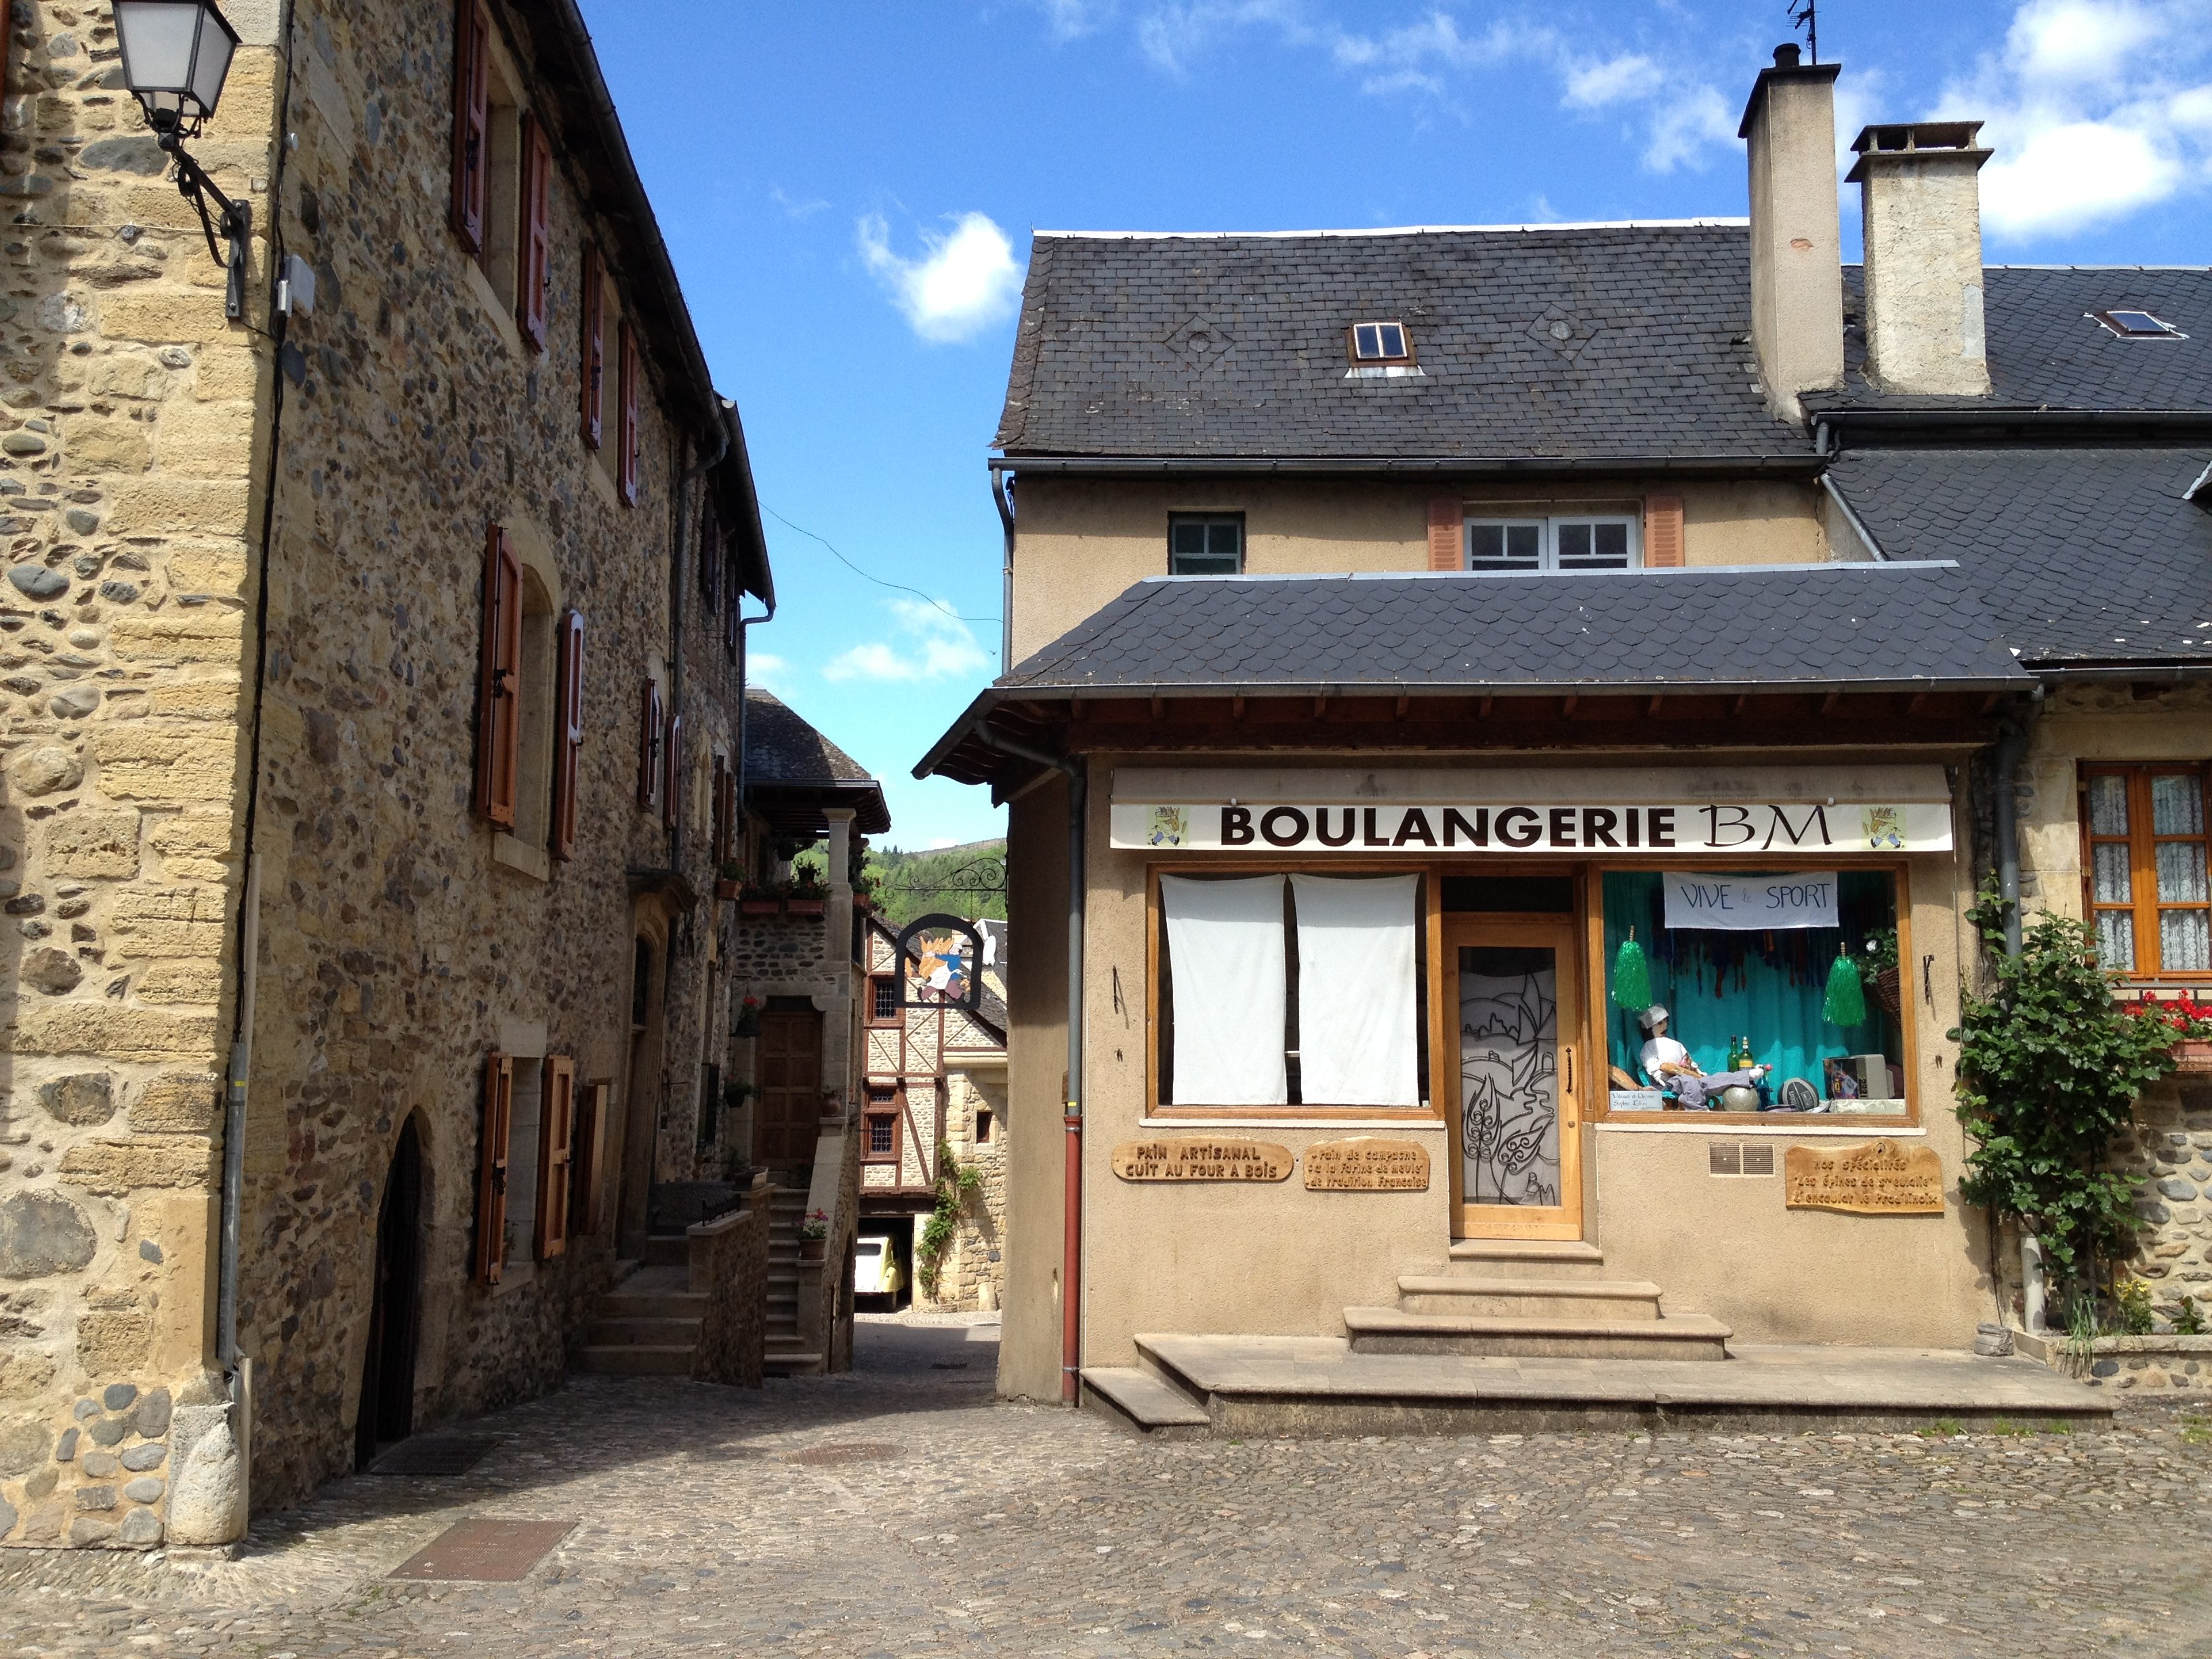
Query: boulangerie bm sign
point(1773, 827)
point(1803, 898)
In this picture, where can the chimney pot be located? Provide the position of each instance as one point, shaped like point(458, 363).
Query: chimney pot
point(1786, 56)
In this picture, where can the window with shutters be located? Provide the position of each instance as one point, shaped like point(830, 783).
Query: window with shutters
point(567, 734)
point(2145, 868)
point(498, 694)
point(534, 251)
point(1501, 540)
point(593, 374)
point(627, 439)
point(557, 1131)
point(652, 746)
point(492, 1167)
point(471, 122)
point(588, 1158)
point(539, 735)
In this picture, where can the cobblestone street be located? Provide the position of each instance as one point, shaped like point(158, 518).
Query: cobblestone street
point(897, 1509)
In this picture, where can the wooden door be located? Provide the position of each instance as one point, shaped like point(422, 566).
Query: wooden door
point(1514, 1022)
point(785, 1124)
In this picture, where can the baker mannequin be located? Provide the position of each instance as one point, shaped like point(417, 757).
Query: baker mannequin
point(1668, 1065)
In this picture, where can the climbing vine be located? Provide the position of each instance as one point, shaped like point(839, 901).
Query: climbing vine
point(955, 1182)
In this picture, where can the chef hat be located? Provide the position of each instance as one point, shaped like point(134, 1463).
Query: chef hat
point(1652, 1017)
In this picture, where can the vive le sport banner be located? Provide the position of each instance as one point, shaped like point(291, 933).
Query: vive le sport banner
point(1776, 827)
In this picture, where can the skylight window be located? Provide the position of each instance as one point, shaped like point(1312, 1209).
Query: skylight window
point(2137, 326)
point(1380, 343)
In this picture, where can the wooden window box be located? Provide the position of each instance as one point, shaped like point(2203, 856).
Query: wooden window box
point(799, 907)
point(727, 890)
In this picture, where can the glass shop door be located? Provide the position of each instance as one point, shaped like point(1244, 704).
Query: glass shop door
point(1518, 1168)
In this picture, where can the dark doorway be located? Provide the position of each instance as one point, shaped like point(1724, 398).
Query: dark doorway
point(388, 1382)
point(790, 1113)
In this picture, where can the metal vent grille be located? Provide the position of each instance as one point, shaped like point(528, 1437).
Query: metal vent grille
point(1757, 1160)
point(1725, 1158)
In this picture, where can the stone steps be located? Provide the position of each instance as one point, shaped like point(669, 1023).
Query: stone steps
point(1145, 1400)
point(1396, 1331)
point(649, 1332)
point(668, 1250)
point(1529, 1298)
point(652, 1304)
point(635, 1360)
point(1526, 1258)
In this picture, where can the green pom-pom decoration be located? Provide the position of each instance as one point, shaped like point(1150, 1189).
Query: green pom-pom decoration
point(1632, 978)
point(1845, 1003)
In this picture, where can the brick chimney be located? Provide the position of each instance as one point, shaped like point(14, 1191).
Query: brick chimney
point(1796, 254)
point(1921, 196)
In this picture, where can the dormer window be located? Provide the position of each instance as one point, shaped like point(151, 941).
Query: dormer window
point(1380, 343)
point(2136, 325)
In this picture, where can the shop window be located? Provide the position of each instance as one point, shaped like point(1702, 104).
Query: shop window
point(1282, 991)
point(1752, 988)
point(883, 1007)
point(2145, 871)
point(1559, 542)
point(1206, 546)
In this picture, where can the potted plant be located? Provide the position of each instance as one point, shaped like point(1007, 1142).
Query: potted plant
point(814, 1235)
point(758, 899)
point(730, 880)
point(807, 897)
point(1877, 966)
point(2192, 1023)
point(748, 1021)
point(863, 894)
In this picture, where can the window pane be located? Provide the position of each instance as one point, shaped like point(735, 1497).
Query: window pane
point(1221, 539)
point(1188, 536)
point(1359, 1024)
point(2116, 940)
point(1505, 546)
point(2185, 941)
point(1524, 543)
point(2177, 806)
point(1392, 340)
point(1574, 545)
point(880, 1131)
point(2110, 880)
point(2180, 872)
point(1203, 564)
point(2108, 805)
point(1612, 544)
point(1487, 542)
point(1230, 990)
point(1368, 340)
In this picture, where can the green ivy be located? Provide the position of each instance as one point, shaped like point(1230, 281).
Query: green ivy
point(955, 1182)
point(2050, 1068)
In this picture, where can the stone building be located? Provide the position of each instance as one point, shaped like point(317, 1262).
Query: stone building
point(372, 747)
point(1420, 618)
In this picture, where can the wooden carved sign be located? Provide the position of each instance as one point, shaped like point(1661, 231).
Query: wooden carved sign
point(1367, 1165)
point(1201, 1158)
point(1880, 1177)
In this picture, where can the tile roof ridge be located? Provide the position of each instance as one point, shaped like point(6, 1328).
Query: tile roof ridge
point(1659, 572)
point(1707, 223)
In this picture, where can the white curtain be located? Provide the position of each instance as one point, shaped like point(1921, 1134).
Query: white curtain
point(1357, 1042)
point(1225, 951)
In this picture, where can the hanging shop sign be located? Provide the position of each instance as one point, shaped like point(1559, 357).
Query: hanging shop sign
point(1752, 828)
point(1882, 1177)
point(1748, 903)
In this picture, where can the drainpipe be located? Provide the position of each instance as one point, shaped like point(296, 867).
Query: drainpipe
point(1002, 497)
point(1071, 1271)
point(2004, 826)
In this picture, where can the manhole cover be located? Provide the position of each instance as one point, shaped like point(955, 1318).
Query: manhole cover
point(847, 1451)
point(491, 1552)
point(433, 1454)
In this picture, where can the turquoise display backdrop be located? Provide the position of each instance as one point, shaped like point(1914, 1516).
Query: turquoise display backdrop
point(1768, 987)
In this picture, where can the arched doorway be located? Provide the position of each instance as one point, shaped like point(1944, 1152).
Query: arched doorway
point(388, 1382)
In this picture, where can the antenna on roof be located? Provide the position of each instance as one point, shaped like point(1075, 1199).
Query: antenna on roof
point(1803, 14)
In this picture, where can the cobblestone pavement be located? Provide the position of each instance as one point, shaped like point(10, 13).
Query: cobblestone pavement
point(897, 1511)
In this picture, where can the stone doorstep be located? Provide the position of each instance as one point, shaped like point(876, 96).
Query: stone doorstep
point(1680, 1336)
point(1145, 1402)
point(792, 1364)
point(1526, 1258)
point(1539, 1298)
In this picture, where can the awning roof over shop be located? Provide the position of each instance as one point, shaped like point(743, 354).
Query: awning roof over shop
point(793, 773)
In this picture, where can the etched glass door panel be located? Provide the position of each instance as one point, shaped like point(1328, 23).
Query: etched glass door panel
point(1508, 1044)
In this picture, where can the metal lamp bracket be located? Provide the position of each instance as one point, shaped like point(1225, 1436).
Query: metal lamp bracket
point(234, 219)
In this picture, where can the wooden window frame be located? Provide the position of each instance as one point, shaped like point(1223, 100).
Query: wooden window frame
point(533, 264)
point(594, 347)
point(2142, 841)
point(557, 1133)
point(898, 1014)
point(471, 156)
point(873, 1112)
point(651, 736)
point(499, 687)
point(492, 1140)
point(628, 454)
point(568, 733)
point(1404, 338)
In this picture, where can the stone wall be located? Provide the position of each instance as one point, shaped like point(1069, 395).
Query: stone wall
point(127, 447)
point(729, 1263)
point(971, 1274)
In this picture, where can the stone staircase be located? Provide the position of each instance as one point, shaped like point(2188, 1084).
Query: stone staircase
point(787, 1354)
point(649, 1323)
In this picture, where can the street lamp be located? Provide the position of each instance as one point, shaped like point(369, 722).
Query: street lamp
point(176, 54)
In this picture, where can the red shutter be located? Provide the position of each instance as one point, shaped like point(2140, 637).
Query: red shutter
point(535, 269)
point(671, 797)
point(595, 343)
point(626, 437)
point(556, 1128)
point(568, 740)
point(499, 700)
point(471, 120)
point(649, 740)
point(1446, 516)
point(1662, 531)
point(491, 1168)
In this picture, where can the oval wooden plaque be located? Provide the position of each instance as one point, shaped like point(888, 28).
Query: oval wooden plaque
point(1202, 1158)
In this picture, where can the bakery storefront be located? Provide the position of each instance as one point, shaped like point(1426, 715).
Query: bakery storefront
point(1340, 1020)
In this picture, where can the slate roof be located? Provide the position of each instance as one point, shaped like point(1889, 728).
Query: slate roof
point(2045, 352)
point(1769, 628)
point(1234, 345)
point(790, 766)
point(2082, 555)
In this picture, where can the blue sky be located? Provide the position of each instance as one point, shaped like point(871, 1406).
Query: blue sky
point(848, 190)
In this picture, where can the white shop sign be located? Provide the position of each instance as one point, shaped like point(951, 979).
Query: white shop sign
point(1803, 898)
point(1495, 826)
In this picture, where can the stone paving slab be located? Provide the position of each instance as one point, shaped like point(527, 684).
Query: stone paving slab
point(714, 1523)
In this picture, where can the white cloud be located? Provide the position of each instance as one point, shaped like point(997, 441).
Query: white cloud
point(965, 280)
point(792, 206)
point(1630, 77)
point(1685, 125)
point(1071, 18)
point(926, 645)
point(2095, 108)
point(941, 842)
point(765, 668)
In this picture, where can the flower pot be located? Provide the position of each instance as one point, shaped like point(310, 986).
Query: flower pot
point(760, 906)
point(727, 890)
point(813, 1249)
point(2193, 1054)
point(799, 907)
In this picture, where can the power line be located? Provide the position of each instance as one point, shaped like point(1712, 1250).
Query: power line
point(867, 576)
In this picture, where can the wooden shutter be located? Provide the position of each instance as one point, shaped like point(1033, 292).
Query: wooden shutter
point(595, 345)
point(626, 436)
point(1662, 531)
point(588, 1157)
point(649, 740)
point(491, 1168)
point(557, 1132)
point(1446, 519)
point(534, 271)
point(498, 699)
point(471, 120)
point(671, 796)
point(568, 740)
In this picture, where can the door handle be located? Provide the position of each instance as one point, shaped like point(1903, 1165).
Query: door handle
point(1569, 1054)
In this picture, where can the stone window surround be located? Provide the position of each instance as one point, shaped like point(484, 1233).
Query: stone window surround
point(525, 851)
point(523, 1040)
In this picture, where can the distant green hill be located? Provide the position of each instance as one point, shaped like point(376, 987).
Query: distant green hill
point(910, 884)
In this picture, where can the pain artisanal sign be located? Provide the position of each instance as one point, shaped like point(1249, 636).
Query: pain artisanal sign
point(1201, 1158)
point(1754, 828)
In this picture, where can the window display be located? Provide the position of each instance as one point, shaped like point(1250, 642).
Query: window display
point(1753, 992)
